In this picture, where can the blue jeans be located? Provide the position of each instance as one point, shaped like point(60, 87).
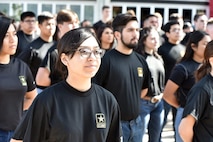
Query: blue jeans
point(5, 136)
point(177, 123)
point(152, 116)
point(132, 130)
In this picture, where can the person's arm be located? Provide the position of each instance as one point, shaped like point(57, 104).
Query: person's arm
point(169, 93)
point(42, 77)
point(13, 140)
point(28, 98)
point(186, 128)
point(144, 92)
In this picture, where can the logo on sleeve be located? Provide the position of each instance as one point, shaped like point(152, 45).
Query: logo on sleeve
point(23, 80)
point(140, 72)
point(100, 120)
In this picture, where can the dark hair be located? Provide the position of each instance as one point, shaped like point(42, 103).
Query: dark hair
point(150, 15)
point(187, 25)
point(194, 38)
point(166, 28)
point(101, 30)
point(196, 17)
point(105, 7)
point(68, 44)
point(143, 36)
point(206, 67)
point(175, 17)
point(44, 16)
point(85, 20)
point(66, 16)
point(27, 14)
point(121, 20)
point(4, 25)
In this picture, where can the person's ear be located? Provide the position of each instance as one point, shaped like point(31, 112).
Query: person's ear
point(64, 59)
point(117, 34)
point(193, 46)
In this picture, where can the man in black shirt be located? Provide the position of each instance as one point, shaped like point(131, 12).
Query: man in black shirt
point(27, 32)
point(125, 73)
point(106, 17)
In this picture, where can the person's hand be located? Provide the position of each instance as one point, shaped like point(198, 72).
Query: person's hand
point(156, 99)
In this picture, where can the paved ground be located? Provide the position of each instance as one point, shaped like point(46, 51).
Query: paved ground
point(168, 133)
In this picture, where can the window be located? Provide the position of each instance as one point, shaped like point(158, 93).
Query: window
point(116, 10)
point(32, 7)
point(76, 9)
point(88, 13)
point(4, 8)
point(47, 7)
point(144, 13)
point(60, 7)
point(187, 15)
point(17, 10)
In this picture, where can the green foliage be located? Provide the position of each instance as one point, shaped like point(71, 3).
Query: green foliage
point(17, 10)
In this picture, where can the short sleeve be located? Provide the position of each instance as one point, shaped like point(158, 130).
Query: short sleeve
point(34, 125)
point(30, 80)
point(196, 103)
point(178, 74)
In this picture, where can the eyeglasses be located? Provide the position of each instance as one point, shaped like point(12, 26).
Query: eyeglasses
point(86, 52)
point(175, 30)
point(30, 21)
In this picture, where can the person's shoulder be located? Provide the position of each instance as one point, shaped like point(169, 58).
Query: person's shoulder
point(140, 57)
point(20, 33)
point(97, 23)
point(18, 61)
point(51, 91)
point(102, 91)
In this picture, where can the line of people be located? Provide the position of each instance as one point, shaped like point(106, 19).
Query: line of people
point(116, 97)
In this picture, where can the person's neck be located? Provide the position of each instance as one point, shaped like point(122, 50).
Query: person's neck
point(124, 49)
point(80, 84)
point(4, 59)
point(174, 41)
point(105, 20)
point(46, 38)
point(105, 45)
point(148, 50)
point(28, 33)
point(198, 59)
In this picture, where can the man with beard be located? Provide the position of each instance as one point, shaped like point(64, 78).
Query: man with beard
point(125, 73)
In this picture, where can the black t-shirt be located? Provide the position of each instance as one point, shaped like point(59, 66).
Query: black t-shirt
point(183, 75)
point(98, 24)
point(49, 62)
point(15, 80)
point(63, 114)
point(23, 41)
point(35, 53)
point(125, 76)
point(171, 54)
point(200, 106)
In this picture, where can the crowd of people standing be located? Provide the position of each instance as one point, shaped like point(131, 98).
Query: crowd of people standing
point(108, 81)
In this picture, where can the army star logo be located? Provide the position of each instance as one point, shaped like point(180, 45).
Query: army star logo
point(100, 120)
point(23, 80)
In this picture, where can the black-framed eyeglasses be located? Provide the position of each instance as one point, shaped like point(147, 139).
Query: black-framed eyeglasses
point(30, 21)
point(86, 52)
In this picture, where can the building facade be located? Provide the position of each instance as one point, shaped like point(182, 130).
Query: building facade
point(91, 9)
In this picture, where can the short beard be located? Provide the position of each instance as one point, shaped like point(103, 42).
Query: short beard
point(130, 46)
